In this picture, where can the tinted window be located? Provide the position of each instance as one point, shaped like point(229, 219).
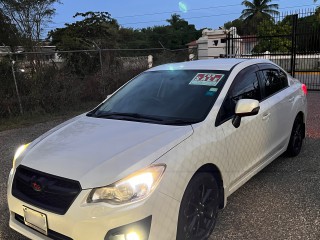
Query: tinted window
point(168, 95)
point(273, 81)
point(244, 86)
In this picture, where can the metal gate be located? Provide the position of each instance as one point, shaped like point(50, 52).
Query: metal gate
point(291, 40)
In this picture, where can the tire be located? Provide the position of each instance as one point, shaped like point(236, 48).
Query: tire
point(296, 137)
point(198, 208)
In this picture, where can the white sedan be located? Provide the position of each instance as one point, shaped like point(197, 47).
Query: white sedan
point(158, 158)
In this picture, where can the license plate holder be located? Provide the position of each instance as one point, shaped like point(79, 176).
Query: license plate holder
point(35, 220)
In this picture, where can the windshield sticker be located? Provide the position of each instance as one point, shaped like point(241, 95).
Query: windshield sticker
point(213, 89)
point(206, 79)
point(210, 93)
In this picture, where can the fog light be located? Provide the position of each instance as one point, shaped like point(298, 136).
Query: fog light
point(134, 231)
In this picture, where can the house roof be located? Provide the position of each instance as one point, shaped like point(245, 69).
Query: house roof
point(191, 44)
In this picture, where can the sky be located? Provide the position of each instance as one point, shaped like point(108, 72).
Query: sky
point(148, 13)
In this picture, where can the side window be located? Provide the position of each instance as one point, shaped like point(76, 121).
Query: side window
point(244, 86)
point(273, 81)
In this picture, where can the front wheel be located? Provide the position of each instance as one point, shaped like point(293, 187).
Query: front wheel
point(198, 208)
point(296, 138)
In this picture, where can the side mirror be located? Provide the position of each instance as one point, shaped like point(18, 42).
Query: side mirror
point(244, 108)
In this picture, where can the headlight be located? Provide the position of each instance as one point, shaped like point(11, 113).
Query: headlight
point(132, 188)
point(19, 151)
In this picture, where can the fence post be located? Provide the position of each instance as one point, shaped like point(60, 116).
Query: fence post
point(228, 45)
point(101, 66)
point(294, 44)
point(15, 83)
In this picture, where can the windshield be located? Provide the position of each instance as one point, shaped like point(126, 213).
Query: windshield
point(165, 97)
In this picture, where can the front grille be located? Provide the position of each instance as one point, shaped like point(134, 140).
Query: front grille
point(55, 194)
point(51, 234)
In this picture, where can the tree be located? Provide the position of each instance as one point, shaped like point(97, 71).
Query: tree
point(97, 30)
point(9, 34)
point(239, 24)
point(180, 32)
point(308, 29)
point(175, 20)
point(259, 8)
point(258, 11)
point(175, 35)
point(268, 40)
point(29, 16)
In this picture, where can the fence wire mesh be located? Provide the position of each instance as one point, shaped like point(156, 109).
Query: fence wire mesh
point(291, 40)
point(48, 81)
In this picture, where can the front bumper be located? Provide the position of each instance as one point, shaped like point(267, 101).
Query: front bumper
point(95, 221)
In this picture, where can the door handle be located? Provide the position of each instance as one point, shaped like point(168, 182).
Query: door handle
point(266, 116)
point(291, 99)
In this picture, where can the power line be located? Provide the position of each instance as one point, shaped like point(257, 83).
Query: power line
point(190, 10)
point(226, 14)
point(187, 18)
point(215, 15)
point(175, 11)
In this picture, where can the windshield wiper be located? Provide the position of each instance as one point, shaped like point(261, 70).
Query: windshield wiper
point(180, 122)
point(135, 116)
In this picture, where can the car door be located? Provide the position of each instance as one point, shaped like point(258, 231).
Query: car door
point(276, 90)
point(248, 144)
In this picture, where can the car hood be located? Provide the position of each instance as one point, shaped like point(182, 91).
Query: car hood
point(97, 152)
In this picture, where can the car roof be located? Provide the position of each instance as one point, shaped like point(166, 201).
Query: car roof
point(224, 64)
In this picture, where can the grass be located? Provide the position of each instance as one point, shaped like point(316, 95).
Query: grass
point(28, 119)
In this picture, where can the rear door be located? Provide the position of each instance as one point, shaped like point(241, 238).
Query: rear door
point(276, 90)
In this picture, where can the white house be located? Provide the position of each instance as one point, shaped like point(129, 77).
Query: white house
point(213, 43)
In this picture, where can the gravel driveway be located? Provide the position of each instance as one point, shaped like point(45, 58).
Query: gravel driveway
point(281, 202)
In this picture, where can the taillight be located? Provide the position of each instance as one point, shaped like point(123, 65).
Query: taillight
point(304, 89)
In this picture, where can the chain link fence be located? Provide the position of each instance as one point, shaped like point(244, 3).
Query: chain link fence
point(49, 81)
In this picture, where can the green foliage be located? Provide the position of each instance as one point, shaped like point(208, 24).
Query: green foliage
point(268, 40)
point(307, 38)
point(97, 30)
point(48, 91)
point(7, 91)
point(173, 36)
point(9, 34)
point(257, 12)
point(309, 33)
point(100, 28)
point(239, 24)
point(29, 17)
point(51, 90)
point(95, 27)
point(180, 32)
